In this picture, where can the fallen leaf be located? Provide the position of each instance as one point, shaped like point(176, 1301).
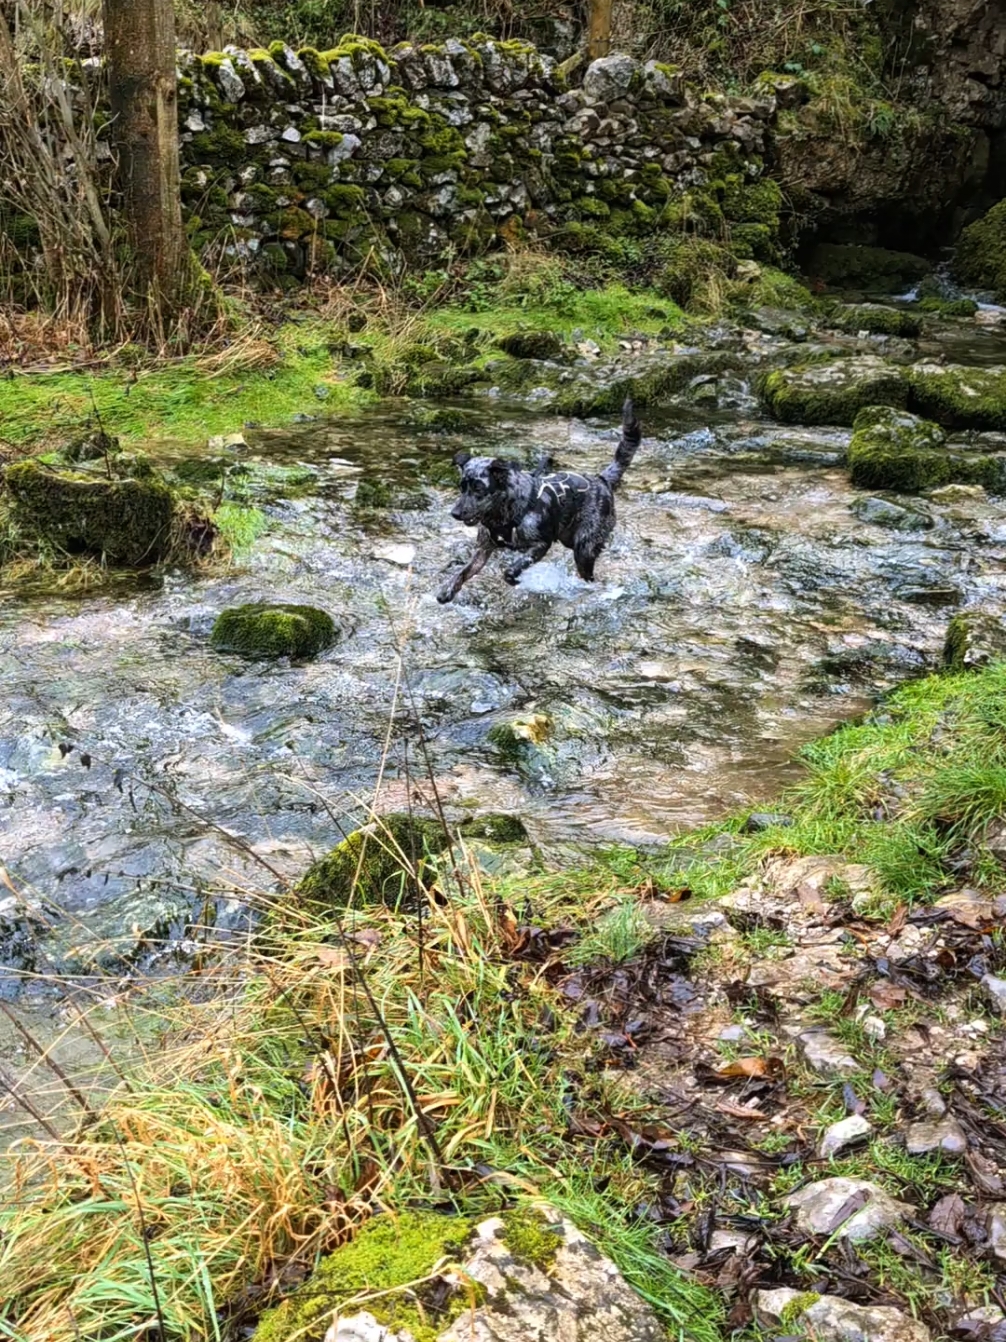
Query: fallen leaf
point(885, 996)
point(898, 919)
point(810, 900)
point(749, 1067)
point(367, 936)
point(947, 1215)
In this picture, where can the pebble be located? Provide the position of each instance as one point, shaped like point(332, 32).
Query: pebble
point(829, 1318)
point(847, 1132)
point(818, 1205)
point(995, 993)
point(824, 1053)
point(944, 1134)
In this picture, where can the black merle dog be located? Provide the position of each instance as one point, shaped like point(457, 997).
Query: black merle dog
point(527, 511)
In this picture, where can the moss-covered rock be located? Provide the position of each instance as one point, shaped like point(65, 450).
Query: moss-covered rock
point(892, 449)
point(831, 393)
point(872, 269)
point(388, 1253)
point(262, 631)
point(515, 738)
point(973, 640)
point(958, 397)
point(122, 521)
point(876, 320)
point(371, 865)
point(496, 827)
point(532, 345)
point(980, 258)
point(933, 305)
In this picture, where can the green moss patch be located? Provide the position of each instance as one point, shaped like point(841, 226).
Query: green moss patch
point(974, 639)
point(892, 449)
point(371, 865)
point(122, 521)
point(388, 1253)
point(958, 397)
point(831, 393)
point(873, 269)
point(261, 631)
point(875, 319)
point(530, 1237)
point(980, 258)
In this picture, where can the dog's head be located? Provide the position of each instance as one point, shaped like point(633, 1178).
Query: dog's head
point(485, 482)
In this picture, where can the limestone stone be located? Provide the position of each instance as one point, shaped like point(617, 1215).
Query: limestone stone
point(829, 1318)
point(852, 1209)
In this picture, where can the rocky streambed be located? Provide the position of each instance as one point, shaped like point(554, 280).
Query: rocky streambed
point(751, 598)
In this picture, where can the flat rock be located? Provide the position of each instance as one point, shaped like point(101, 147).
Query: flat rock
point(881, 512)
point(393, 553)
point(824, 1053)
point(847, 1132)
point(852, 1209)
point(829, 1318)
point(580, 1297)
point(997, 1228)
point(944, 1134)
point(801, 976)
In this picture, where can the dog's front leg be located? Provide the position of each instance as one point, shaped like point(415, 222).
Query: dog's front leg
point(484, 550)
point(538, 551)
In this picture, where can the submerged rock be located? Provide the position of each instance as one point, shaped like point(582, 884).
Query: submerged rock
point(881, 512)
point(122, 521)
point(524, 1274)
point(829, 1318)
point(852, 1209)
point(263, 632)
point(831, 393)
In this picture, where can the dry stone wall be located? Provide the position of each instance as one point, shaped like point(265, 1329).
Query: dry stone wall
point(317, 160)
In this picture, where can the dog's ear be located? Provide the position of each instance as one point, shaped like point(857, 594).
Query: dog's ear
point(461, 459)
point(499, 473)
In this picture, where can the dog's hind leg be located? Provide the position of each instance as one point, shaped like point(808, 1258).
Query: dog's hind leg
point(513, 571)
point(484, 550)
point(591, 537)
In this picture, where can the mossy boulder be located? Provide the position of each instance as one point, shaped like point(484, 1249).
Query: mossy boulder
point(515, 739)
point(974, 639)
point(264, 632)
point(894, 450)
point(532, 345)
point(932, 305)
point(958, 397)
point(528, 1273)
point(872, 269)
point(371, 865)
point(831, 393)
point(897, 451)
point(980, 258)
point(875, 319)
point(389, 1252)
point(123, 521)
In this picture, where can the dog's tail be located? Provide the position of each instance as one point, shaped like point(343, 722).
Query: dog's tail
point(627, 447)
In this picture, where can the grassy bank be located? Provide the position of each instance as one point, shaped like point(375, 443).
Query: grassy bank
point(373, 1061)
point(310, 363)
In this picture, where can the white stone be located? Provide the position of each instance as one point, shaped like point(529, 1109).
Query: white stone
point(944, 1134)
point(829, 1318)
point(609, 78)
point(819, 1204)
point(824, 1053)
point(259, 135)
point(392, 553)
point(291, 135)
point(231, 83)
point(995, 993)
point(847, 1132)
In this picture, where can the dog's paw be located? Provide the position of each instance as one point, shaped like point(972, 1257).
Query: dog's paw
point(445, 595)
point(510, 577)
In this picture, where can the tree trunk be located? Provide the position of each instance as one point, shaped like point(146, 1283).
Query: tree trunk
point(215, 25)
point(599, 30)
point(140, 48)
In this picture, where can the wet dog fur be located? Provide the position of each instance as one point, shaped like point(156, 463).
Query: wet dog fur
point(526, 512)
